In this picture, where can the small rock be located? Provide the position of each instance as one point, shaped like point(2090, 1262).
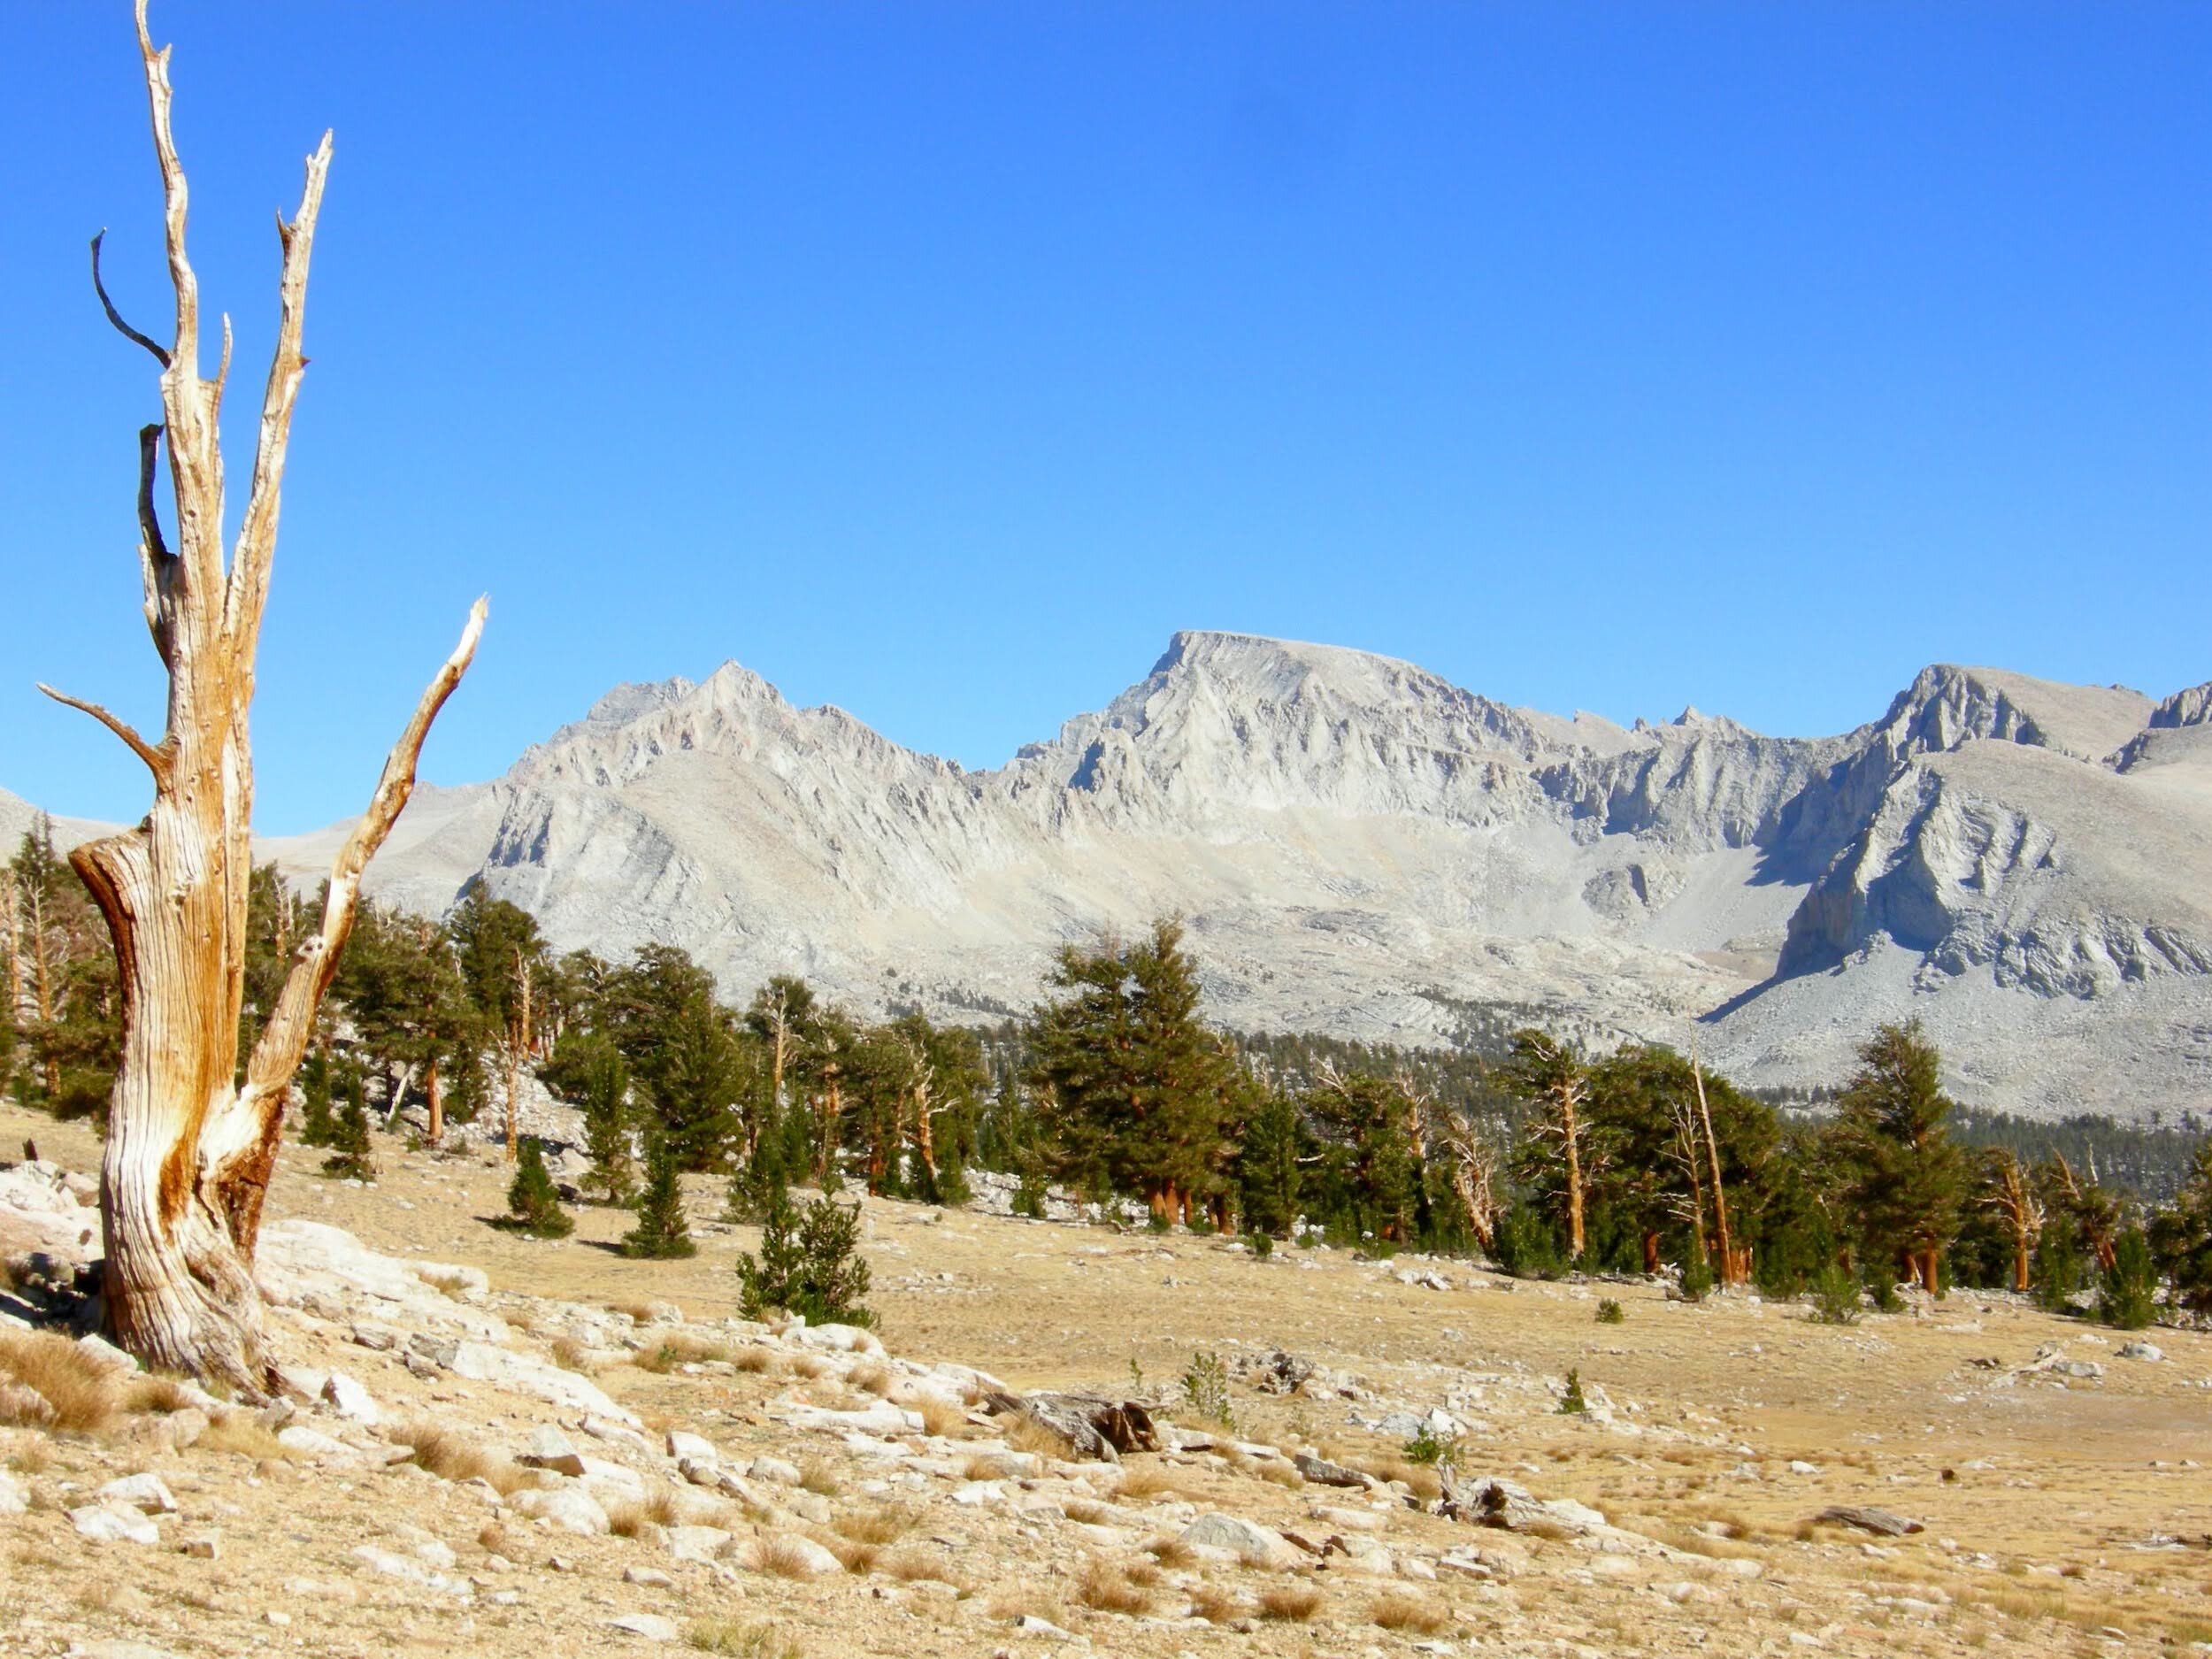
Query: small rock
point(113, 1523)
point(651, 1626)
point(1870, 1520)
point(773, 1469)
point(209, 1547)
point(647, 1577)
point(144, 1493)
point(694, 1447)
point(311, 1442)
point(2149, 1352)
point(351, 1400)
point(1239, 1537)
point(571, 1509)
point(14, 1499)
point(550, 1448)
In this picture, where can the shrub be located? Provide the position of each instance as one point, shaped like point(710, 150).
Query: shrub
point(1262, 1245)
point(1428, 1446)
point(661, 1232)
point(1882, 1288)
point(1292, 1601)
point(1835, 1296)
point(1526, 1246)
point(350, 1159)
point(1697, 1277)
point(533, 1205)
point(1610, 1311)
point(2130, 1283)
point(1206, 1388)
point(1570, 1402)
point(809, 1263)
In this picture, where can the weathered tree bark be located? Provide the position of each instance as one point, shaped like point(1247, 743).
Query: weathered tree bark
point(189, 1151)
point(1728, 1273)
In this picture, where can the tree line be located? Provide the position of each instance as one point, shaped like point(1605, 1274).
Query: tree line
point(1542, 1156)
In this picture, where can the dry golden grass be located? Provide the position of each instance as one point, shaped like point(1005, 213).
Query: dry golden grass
point(1172, 1552)
point(1290, 1602)
point(734, 1640)
point(1026, 1434)
point(241, 1432)
point(452, 1456)
point(911, 1565)
point(782, 1557)
point(1088, 1511)
point(680, 1348)
point(1145, 1481)
point(853, 1554)
point(885, 1525)
point(570, 1354)
point(492, 1538)
point(1145, 1573)
point(156, 1392)
point(1104, 1587)
point(756, 1361)
point(871, 1379)
point(630, 1518)
point(1280, 1471)
point(73, 1393)
point(819, 1479)
point(1420, 1478)
point(1396, 1610)
point(811, 1366)
point(941, 1417)
point(985, 1466)
point(1215, 1605)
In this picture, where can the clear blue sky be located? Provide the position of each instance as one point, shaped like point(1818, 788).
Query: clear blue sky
point(940, 361)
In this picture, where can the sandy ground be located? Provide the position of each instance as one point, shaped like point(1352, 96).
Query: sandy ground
point(2061, 1515)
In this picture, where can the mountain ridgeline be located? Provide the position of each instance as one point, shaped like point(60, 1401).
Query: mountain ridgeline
point(1363, 850)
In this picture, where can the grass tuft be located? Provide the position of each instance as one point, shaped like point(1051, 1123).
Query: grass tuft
point(1293, 1604)
point(57, 1384)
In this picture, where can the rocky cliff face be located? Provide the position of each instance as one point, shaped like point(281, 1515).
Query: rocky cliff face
point(1364, 848)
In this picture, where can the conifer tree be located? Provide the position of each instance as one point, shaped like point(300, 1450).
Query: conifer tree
point(1547, 1073)
point(351, 1157)
point(1907, 1179)
point(588, 1072)
point(316, 1125)
point(1269, 1154)
point(2130, 1283)
point(533, 1203)
point(2182, 1237)
point(661, 1232)
point(809, 1263)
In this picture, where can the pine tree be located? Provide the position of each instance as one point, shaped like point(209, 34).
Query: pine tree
point(351, 1157)
point(316, 1124)
point(1907, 1178)
point(661, 1232)
point(1268, 1157)
point(2130, 1283)
point(809, 1263)
point(2182, 1237)
point(588, 1072)
point(533, 1203)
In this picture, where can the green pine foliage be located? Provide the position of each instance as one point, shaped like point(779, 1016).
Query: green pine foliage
point(1907, 1178)
point(809, 1263)
point(2130, 1283)
point(661, 1232)
point(2182, 1237)
point(351, 1157)
point(317, 1126)
point(533, 1203)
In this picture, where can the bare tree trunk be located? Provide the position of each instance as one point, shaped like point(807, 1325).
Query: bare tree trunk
point(1568, 1097)
point(189, 1151)
point(1720, 1189)
point(435, 1087)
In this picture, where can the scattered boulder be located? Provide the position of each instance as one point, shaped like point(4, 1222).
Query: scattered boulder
point(651, 1626)
point(146, 1493)
point(550, 1448)
point(1881, 1522)
point(114, 1523)
point(1245, 1540)
point(1094, 1427)
point(2149, 1352)
point(1322, 1472)
point(569, 1508)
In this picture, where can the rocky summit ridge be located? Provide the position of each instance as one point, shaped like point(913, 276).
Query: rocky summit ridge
point(1361, 848)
